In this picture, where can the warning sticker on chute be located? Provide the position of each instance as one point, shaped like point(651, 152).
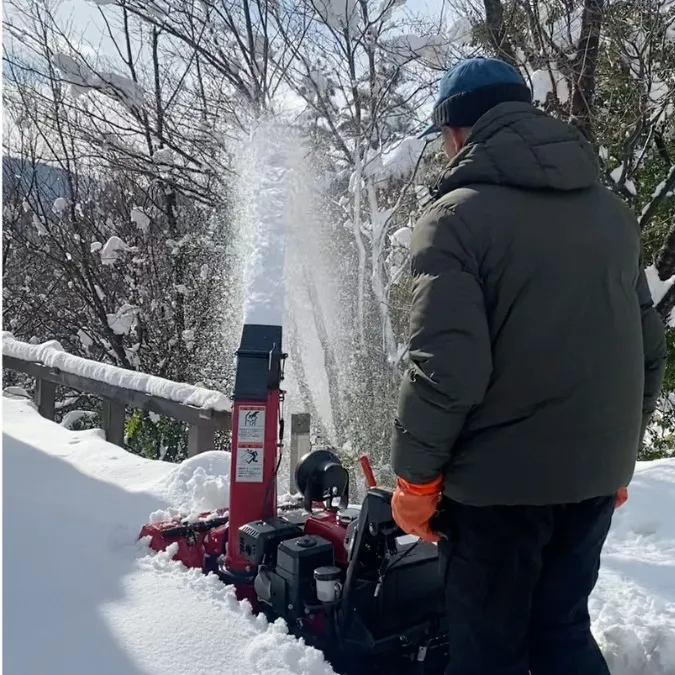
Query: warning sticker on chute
point(251, 425)
point(249, 464)
point(250, 445)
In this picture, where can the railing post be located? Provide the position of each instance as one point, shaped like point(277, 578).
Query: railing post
point(113, 414)
point(45, 398)
point(201, 436)
point(300, 423)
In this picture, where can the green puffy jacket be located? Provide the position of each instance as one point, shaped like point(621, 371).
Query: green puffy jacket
point(537, 356)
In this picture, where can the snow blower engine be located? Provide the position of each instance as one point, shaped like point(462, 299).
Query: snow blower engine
point(345, 579)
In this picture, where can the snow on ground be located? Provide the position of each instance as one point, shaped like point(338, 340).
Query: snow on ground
point(633, 606)
point(83, 596)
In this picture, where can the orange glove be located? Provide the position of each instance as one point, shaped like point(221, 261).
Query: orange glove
point(621, 497)
point(414, 505)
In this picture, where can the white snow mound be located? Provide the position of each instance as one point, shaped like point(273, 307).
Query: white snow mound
point(201, 483)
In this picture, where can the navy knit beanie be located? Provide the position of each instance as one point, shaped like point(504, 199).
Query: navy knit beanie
point(471, 88)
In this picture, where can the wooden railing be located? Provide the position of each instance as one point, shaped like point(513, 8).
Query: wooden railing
point(203, 422)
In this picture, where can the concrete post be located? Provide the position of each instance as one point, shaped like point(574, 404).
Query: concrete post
point(113, 414)
point(201, 436)
point(300, 423)
point(45, 398)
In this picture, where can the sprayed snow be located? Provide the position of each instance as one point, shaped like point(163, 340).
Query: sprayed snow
point(112, 250)
point(114, 606)
point(261, 224)
point(51, 354)
point(566, 30)
point(140, 218)
point(76, 74)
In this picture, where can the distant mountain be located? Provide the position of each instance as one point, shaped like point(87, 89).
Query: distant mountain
point(49, 181)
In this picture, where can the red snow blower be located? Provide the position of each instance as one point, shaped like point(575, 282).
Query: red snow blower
point(342, 578)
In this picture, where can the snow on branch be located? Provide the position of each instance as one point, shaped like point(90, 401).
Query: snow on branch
point(396, 162)
point(53, 355)
point(83, 79)
point(337, 14)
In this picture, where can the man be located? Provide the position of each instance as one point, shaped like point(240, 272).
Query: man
point(536, 361)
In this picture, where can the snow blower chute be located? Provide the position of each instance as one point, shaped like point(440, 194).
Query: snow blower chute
point(346, 580)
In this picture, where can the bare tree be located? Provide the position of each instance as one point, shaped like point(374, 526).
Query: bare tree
point(132, 233)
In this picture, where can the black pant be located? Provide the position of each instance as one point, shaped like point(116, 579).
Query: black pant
point(517, 581)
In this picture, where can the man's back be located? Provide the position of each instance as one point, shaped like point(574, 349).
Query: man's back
point(536, 361)
point(557, 258)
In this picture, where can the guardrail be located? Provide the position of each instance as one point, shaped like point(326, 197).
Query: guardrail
point(206, 411)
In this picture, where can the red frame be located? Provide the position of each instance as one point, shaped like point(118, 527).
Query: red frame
point(252, 501)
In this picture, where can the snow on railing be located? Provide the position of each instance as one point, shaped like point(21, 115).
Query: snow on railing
point(53, 355)
point(203, 409)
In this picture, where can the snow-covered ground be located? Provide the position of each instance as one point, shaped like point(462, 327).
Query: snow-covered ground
point(82, 596)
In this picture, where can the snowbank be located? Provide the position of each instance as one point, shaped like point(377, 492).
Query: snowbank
point(86, 597)
point(201, 483)
point(52, 354)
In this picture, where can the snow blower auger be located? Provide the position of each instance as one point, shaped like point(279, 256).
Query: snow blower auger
point(347, 580)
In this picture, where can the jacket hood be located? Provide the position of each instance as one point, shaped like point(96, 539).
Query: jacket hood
point(518, 145)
